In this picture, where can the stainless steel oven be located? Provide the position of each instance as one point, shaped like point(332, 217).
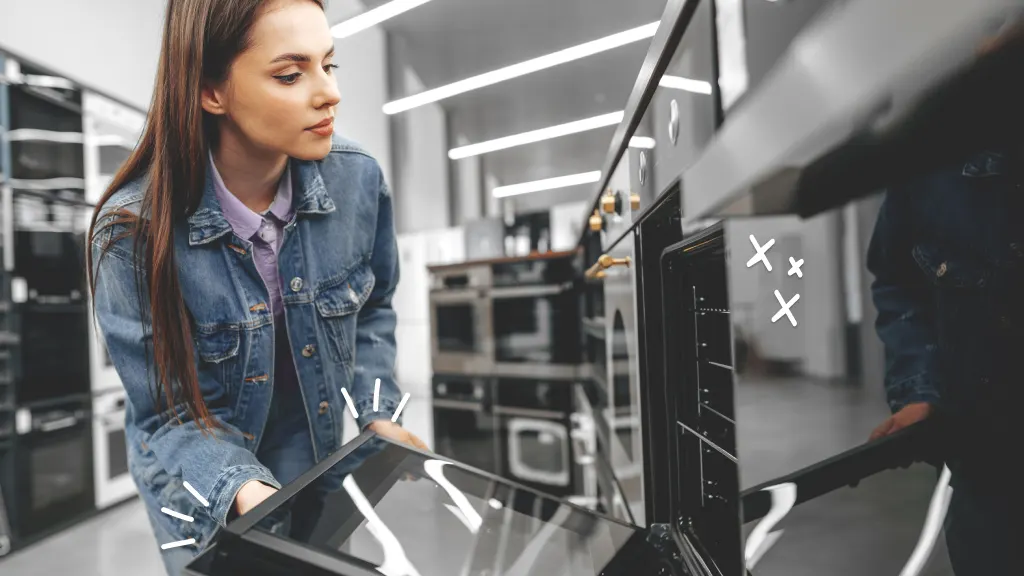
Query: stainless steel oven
point(462, 339)
point(113, 481)
point(53, 467)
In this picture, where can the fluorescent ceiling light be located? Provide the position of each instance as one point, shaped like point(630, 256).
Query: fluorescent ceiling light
point(688, 84)
point(536, 135)
point(522, 68)
point(641, 142)
point(548, 184)
point(371, 18)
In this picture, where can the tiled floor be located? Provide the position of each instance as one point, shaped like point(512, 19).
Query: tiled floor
point(854, 531)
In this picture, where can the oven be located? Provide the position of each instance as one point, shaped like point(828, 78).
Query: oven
point(535, 420)
point(112, 479)
point(465, 427)
point(54, 359)
point(536, 324)
point(461, 320)
point(45, 132)
point(53, 467)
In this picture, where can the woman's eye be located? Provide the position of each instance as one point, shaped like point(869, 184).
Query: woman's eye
point(289, 79)
point(330, 67)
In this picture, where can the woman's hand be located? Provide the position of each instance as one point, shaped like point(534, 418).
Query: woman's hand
point(392, 431)
point(251, 494)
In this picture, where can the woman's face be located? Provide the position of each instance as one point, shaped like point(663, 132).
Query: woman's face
point(280, 94)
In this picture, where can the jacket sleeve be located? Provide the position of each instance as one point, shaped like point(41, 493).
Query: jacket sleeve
point(215, 464)
point(905, 321)
point(375, 325)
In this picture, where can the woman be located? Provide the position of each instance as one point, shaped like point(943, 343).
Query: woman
point(243, 264)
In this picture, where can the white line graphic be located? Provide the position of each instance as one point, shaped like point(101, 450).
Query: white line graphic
point(351, 406)
point(177, 515)
point(376, 396)
point(203, 501)
point(401, 405)
point(178, 544)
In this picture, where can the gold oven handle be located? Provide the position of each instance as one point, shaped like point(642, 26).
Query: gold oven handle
point(596, 272)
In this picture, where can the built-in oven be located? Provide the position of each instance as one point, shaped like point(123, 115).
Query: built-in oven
point(45, 132)
point(53, 467)
point(461, 320)
point(112, 479)
point(54, 352)
point(536, 324)
point(465, 426)
point(535, 419)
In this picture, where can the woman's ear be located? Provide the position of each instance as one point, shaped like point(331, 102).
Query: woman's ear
point(214, 101)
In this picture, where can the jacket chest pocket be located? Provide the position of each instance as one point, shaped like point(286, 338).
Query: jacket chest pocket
point(338, 302)
point(964, 296)
point(218, 354)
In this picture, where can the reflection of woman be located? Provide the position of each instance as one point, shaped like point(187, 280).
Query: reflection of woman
point(243, 267)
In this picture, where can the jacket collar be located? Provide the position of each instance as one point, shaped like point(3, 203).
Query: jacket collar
point(310, 197)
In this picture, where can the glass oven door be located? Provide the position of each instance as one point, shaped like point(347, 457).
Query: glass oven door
point(382, 508)
point(54, 469)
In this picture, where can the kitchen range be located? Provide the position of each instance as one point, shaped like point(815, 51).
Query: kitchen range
point(724, 375)
point(62, 450)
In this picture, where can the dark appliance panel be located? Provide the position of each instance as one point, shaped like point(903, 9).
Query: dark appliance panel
point(465, 426)
point(54, 352)
point(536, 325)
point(53, 468)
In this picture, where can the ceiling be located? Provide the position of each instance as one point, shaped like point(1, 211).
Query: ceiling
point(449, 40)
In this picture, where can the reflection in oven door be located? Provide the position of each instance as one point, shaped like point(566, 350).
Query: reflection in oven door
point(54, 478)
point(465, 429)
point(113, 482)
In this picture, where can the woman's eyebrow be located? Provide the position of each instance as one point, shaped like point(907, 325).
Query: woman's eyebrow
point(295, 57)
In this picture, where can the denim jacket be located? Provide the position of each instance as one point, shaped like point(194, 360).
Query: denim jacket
point(948, 259)
point(339, 269)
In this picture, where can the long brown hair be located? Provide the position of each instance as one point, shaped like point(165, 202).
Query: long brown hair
point(201, 39)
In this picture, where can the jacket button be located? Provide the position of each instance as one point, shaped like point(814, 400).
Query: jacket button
point(942, 270)
point(296, 284)
point(323, 407)
point(308, 351)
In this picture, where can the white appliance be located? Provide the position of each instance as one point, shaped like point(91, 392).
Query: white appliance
point(112, 481)
point(110, 132)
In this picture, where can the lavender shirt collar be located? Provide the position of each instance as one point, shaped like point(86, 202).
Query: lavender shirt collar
point(244, 221)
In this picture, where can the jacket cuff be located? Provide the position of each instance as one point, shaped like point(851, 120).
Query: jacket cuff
point(368, 415)
point(915, 389)
point(230, 481)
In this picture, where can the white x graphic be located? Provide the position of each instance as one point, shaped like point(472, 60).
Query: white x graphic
point(785, 308)
point(796, 267)
point(761, 251)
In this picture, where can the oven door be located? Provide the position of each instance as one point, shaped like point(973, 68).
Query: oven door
point(113, 482)
point(462, 338)
point(465, 429)
point(54, 352)
point(536, 324)
point(53, 468)
point(536, 443)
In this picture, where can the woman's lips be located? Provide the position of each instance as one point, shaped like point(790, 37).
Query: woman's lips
point(325, 128)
